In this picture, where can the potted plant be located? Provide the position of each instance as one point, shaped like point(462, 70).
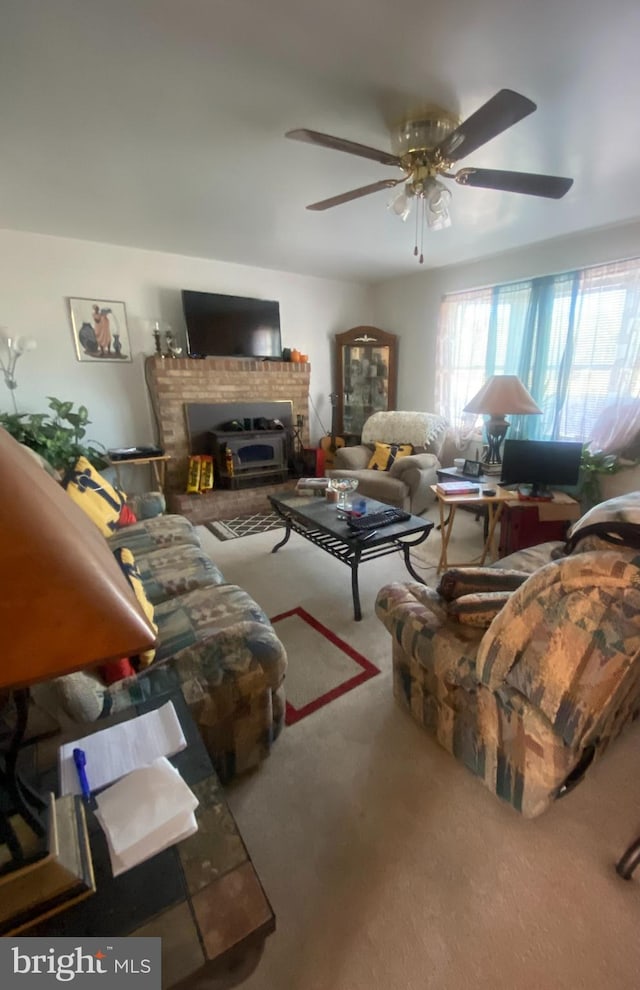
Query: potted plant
point(58, 436)
point(596, 470)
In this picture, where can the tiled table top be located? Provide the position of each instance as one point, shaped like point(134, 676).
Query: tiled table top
point(202, 896)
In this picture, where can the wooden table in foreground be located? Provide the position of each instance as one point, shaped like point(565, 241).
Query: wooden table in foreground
point(321, 523)
point(202, 896)
point(494, 505)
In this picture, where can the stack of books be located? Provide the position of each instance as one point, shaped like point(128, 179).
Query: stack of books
point(312, 486)
point(495, 470)
point(458, 488)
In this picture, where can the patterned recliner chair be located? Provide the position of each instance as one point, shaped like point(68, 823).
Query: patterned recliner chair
point(527, 677)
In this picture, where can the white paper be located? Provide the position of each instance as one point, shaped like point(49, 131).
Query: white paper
point(142, 802)
point(118, 750)
point(182, 826)
point(145, 812)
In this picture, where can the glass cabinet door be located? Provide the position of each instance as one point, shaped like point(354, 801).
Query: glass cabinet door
point(366, 376)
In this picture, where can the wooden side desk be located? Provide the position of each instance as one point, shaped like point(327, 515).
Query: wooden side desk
point(523, 522)
point(158, 466)
point(494, 505)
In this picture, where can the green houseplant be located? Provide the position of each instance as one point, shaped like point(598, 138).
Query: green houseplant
point(593, 466)
point(58, 436)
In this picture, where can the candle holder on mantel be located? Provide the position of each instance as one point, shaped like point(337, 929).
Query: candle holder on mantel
point(173, 351)
point(161, 330)
point(157, 339)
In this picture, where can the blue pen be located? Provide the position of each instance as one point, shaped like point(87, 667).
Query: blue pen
point(80, 760)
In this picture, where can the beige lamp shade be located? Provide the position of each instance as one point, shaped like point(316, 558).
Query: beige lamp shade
point(65, 603)
point(502, 394)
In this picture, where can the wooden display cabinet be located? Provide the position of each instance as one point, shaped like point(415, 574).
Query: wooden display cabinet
point(366, 377)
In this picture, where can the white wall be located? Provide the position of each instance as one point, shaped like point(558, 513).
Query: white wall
point(39, 273)
point(409, 306)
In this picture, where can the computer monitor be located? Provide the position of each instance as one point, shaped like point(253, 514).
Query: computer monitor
point(541, 464)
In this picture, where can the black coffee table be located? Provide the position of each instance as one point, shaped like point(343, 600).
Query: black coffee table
point(320, 522)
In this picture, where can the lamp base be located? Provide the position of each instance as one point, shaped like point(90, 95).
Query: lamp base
point(45, 858)
point(61, 875)
point(19, 798)
point(19, 801)
point(496, 428)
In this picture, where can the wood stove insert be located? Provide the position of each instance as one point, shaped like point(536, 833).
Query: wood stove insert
point(257, 457)
point(257, 434)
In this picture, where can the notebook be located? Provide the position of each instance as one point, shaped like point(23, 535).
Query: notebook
point(113, 752)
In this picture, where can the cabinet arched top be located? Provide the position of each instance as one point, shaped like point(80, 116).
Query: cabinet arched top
point(366, 335)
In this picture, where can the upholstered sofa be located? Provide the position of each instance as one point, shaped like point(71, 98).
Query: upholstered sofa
point(526, 671)
point(406, 481)
point(214, 641)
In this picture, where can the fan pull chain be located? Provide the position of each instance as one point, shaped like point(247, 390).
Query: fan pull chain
point(415, 250)
point(421, 259)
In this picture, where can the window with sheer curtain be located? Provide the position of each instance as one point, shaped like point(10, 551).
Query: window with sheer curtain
point(573, 339)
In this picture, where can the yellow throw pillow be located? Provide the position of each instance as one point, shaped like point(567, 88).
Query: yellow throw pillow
point(93, 493)
point(386, 454)
point(129, 568)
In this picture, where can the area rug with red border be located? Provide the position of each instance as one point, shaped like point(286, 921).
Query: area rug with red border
point(322, 667)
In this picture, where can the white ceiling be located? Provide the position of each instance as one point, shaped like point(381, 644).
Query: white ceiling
point(159, 123)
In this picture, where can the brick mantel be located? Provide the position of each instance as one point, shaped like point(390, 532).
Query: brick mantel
point(174, 382)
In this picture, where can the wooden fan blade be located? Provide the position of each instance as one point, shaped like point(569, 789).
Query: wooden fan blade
point(529, 183)
point(500, 112)
point(326, 204)
point(340, 144)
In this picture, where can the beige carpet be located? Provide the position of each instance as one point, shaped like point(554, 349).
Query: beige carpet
point(389, 866)
point(323, 667)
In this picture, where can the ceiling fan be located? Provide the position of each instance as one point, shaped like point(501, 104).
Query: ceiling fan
point(426, 146)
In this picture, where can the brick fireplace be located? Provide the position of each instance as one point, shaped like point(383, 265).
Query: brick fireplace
point(175, 383)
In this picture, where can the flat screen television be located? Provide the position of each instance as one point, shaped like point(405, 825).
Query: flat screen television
point(231, 326)
point(541, 465)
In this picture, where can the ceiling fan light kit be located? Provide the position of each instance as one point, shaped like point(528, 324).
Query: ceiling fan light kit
point(426, 145)
point(400, 204)
point(423, 132)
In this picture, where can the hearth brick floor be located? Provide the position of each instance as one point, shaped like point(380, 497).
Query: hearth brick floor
point(225, 504)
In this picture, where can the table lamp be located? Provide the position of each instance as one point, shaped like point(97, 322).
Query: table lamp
point(65, 606)
point(500, 394)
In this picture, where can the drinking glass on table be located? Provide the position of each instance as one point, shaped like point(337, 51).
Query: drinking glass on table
point(344, 487)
